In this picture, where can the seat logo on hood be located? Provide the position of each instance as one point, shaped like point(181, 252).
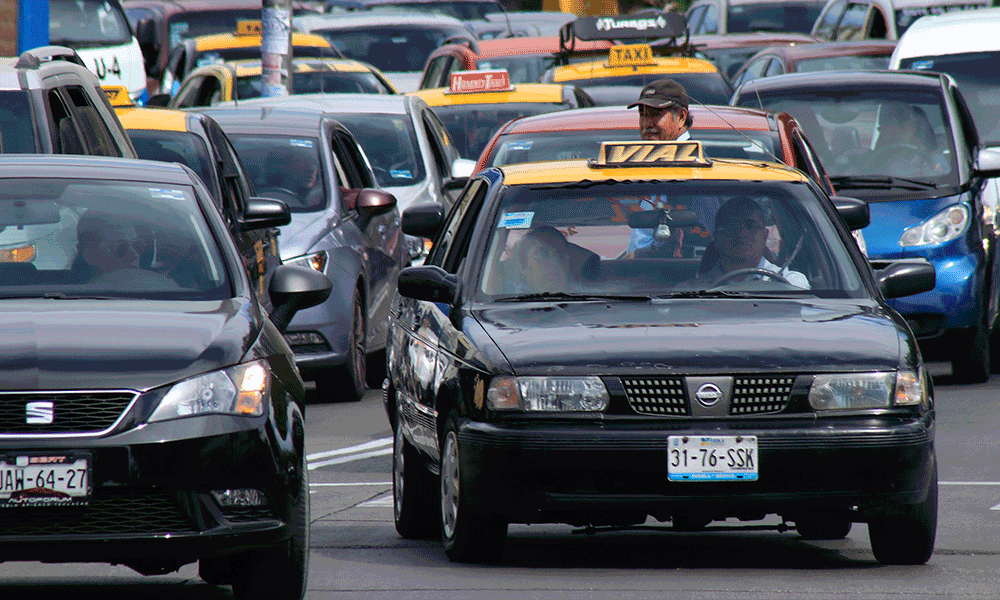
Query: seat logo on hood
point(708, 394)
point(39, 413)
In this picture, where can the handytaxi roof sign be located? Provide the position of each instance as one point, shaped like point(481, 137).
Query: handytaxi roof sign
point(117, 95)
point(470, 82)
point(249, 27)
point(632, 55)
point(688, 153)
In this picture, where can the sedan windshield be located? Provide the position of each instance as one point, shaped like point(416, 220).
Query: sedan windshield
point(392, 49)
point(318, 82)
point(792, 16)
point(175, 146)
point(284, 168)
point(390, 144)
point(665, 239)
point(872, 131)
point(471, 126)
point(65, 239)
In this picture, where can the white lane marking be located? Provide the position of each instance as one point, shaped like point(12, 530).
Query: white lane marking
point(385, 500)
point(351, 449)
point(997, 507)
point(969, 483)
point(351, 484)
point(349, 458)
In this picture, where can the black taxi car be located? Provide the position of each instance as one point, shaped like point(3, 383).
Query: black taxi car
point(150, 411)
point(548, 376)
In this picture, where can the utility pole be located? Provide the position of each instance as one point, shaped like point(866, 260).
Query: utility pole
point(276, 48)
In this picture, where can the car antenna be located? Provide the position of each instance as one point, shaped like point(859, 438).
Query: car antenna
point(734, 128)
point(510, 29)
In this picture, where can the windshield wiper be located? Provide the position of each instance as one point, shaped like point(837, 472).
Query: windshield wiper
point(726, 294)
point(65, 296)
point(566, 296)
point(856, 181)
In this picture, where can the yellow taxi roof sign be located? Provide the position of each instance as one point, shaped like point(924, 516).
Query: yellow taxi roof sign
point(249, 27)
point(470, 82)
point(688, 153)
point(117, 95)
point(631, 55)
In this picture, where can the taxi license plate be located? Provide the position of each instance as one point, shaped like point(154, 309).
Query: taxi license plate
point(712, 458)
point(50, 480)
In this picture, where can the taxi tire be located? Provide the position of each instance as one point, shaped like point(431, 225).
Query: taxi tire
point(468, 535)
point(907, 538)
point(974, 367)
point(414, 493)
point(280, 572)
point(823, 527)
point(216, 570)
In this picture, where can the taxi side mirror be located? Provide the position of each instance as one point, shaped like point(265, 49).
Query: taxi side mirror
point(262, 213)
point(904, 277)
point(854, 212)
point(430, 283)
point(423, 220)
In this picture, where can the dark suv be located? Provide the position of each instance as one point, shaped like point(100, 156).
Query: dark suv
point(51, 104)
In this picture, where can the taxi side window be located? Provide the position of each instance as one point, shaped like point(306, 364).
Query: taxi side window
point(827, 24)
point(435, 70)
point(442, 135)
point(852, 25)
point(93, 129)
point(812, 165)
point(354, 164)
point(65, 135)
point(187, 96)
point(775, 68)
point(444, 170)
point(442, 252)
point(231, 176)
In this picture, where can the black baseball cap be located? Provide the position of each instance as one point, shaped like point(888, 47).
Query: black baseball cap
point(662, 93)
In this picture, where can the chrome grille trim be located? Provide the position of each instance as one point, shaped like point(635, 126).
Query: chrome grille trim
point(760, 394)
point(127, 398)
point(661, 396)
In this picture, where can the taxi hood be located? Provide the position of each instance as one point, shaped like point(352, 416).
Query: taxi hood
point(111, 344)
point(695, 336)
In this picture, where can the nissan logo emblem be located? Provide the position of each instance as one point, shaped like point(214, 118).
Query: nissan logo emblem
point(708, 394)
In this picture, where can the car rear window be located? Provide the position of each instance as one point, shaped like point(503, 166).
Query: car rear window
point(797, 17)
point(393, 49)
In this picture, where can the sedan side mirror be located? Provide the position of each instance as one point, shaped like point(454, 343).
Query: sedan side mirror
point(854, 212)
point(423, 220)
point(293, 289)
point(369, 203)
point(262, 213)
point(988, 162)
point(461, 170)
point(430, 283)
point(904, 277)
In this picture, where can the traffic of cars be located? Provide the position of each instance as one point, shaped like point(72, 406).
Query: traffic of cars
point(570, 321)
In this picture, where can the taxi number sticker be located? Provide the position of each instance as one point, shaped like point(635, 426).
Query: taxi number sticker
point(401, 174)
point(301, 143)
point(516, 220)
point(520, 145)
point(166, 194)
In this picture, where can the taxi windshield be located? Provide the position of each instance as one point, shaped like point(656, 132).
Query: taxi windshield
point(870, 132)
point(665, 239)
point(83, 23)
point(471, 126)
point(318, 82)
point(219, 55)
point(175, 146)
point(191, 24)
point(284, 168)
point(702, 88)
point(523, 68)
point(794, 16)
point(68, 239)
point(393, 49)
point(390, 144)
point(563, 145)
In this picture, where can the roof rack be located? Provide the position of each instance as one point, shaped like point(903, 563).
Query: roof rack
point(664, 25)
point(32, 59)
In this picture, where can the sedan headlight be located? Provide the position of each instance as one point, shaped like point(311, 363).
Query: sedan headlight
point(944, 226)
point(238, 390)
point(858, 391)
point(315, 261)
point(548, 394)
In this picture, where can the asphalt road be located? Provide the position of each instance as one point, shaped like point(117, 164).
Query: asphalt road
point(357, 554)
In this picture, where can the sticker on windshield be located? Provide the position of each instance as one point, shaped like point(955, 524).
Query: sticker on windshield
point(399, 40)
point(400, 174)
point(301, 143)
point(516, 220)
point(177, 32)
point(209, 59)
point(526, 145)
point(922, 65)
point(166, 194)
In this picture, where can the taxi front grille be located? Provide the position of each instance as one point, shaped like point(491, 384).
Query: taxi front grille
point(759, 395)
point(663, 396)
point(61, 412)
point(247, 514)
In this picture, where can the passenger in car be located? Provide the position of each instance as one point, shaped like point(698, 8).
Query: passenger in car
point(550, 263)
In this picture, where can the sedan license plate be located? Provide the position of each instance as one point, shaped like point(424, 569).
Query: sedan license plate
point(49, 480)
point(712, 458)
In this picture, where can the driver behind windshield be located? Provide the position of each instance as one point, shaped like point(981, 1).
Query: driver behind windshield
point(740, 245)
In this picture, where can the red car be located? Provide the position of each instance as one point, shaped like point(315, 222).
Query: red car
point(730, 51)
point(525, 58)
point(863, 55)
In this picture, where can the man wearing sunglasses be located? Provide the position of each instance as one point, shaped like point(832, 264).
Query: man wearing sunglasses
point(110, 245)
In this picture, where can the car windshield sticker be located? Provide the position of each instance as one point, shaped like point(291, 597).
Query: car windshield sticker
point(166, 194)
point(520, 145)
point(399, 40)
point(516, 220)
point(400, 174)
point(922, 65)
point(301, 143)
point(177, 31)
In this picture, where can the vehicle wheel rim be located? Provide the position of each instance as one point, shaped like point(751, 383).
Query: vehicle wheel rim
point(359, 345)
point(449, 485)
point(397, 472)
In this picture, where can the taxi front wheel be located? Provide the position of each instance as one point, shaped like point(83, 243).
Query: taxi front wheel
point(468, 535)
point(907, 538)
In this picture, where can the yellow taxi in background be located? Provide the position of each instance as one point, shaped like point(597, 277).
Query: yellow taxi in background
point(243, 43)
point(240, 80)
point(617, 77)
point(197, 141)
point(477, 103)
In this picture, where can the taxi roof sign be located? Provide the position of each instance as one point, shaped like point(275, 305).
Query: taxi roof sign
point(249, 27)
point(688, 153)
point(117, 95)
point(632, 55)
point(470, 82)
point(663, 25)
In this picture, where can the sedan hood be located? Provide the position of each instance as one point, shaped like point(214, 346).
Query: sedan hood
point(110, 344)
point(694, 336)
point(304, 232)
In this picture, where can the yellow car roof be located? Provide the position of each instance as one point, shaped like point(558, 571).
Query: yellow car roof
point(224, 41)
point(522, 92)
point(632, 160)
point(162, 119)
point(660, 65)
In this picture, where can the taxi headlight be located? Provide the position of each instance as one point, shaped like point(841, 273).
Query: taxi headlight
point(944, 226)
point(857, 391)
point(238, 390)
point(315, 261)
point(548, 394)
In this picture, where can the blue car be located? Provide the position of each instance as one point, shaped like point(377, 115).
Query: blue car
point(906, 143)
